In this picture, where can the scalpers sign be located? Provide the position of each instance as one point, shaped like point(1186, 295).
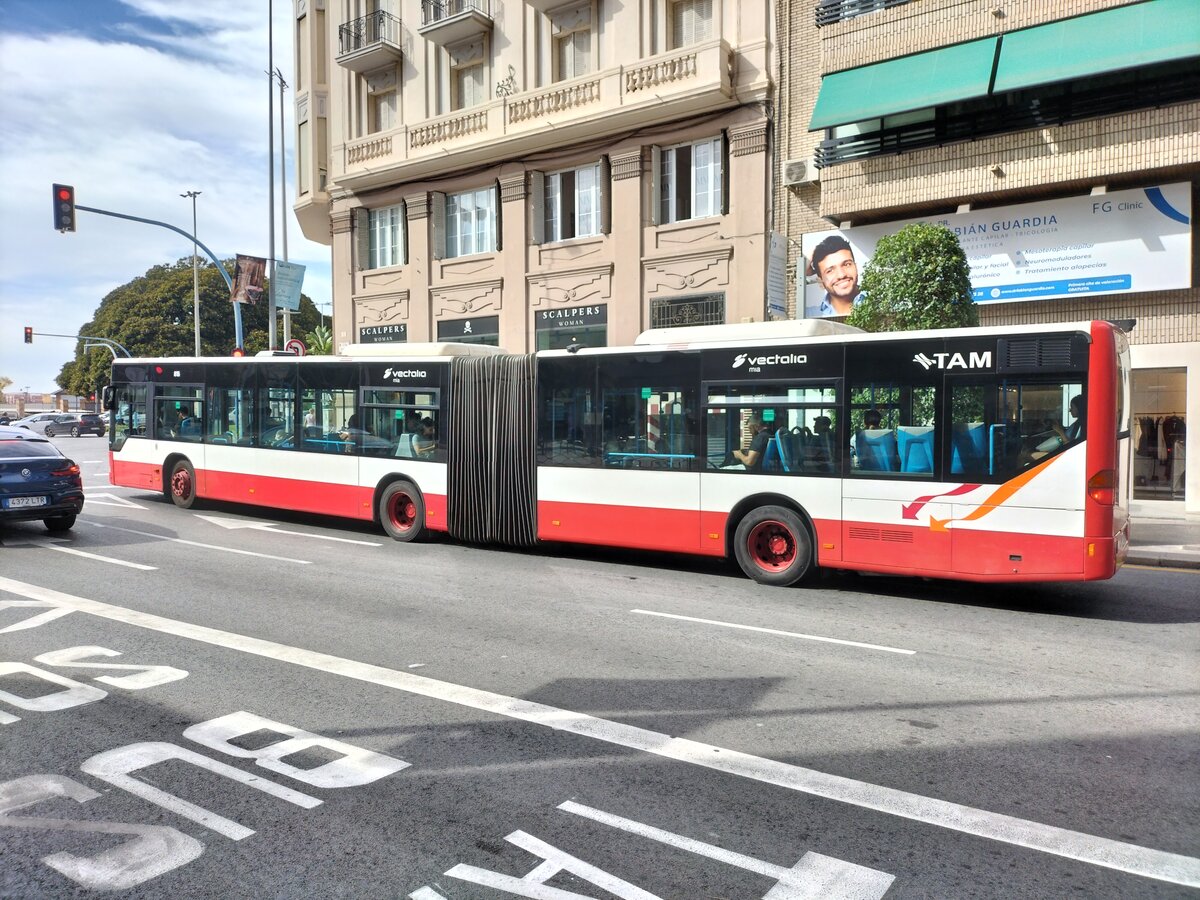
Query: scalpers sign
point(1120, 242)
point(574, 317)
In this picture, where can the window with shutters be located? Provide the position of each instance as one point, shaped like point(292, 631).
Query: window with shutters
point(386, 241)
point(691, 22)
point(691, 181)
point(571, 206)
point(471, 222)
point(383, 112)
point(573, 37)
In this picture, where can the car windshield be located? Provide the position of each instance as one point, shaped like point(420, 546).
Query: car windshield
point(25, 449)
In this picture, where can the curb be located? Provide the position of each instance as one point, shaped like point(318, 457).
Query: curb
point(1162, 558)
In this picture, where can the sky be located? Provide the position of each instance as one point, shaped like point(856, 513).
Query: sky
point(133, 102)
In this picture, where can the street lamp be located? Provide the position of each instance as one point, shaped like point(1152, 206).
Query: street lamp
point(195, 271)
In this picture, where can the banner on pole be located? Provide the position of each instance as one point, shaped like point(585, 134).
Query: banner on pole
point(289, 277)
point(248, 279)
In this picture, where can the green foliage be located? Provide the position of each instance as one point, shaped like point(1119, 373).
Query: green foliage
point(918, 278)
point(152, 316)
point(320, 341)
point(5, 381)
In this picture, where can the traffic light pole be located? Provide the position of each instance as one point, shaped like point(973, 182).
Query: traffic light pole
point(237, 309)
point(99, 341)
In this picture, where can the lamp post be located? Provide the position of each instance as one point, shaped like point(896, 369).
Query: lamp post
point(195, 271)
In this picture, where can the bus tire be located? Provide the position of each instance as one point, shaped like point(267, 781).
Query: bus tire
point(402, 511)
point(772, 546)
point(181, 486)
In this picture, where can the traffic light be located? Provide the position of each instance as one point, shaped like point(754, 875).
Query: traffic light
point(28, 335)
point(238, 351)
point(64, 207)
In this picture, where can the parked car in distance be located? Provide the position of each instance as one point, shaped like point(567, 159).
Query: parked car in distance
point(37, 481)
point(36, 421)
point(76, 424)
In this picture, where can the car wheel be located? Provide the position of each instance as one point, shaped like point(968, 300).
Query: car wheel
point(75, 431)
point(182, 486)
point(773, 547)
point(59, 523)
point(402, 511)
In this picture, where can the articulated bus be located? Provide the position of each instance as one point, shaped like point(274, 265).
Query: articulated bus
point(984, 454)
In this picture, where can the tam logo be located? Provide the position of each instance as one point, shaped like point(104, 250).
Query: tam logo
point(955, 360)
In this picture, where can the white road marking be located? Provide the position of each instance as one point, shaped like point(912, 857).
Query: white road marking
point(793, 634)
point(54, 611)
point(232, 524)
point(92, 498)
point(97, 557)
point(1099, 851)
point(815, 877)
point(163, 537)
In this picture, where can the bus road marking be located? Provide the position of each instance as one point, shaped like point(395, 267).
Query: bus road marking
point(269, 527)
point(92, 498)
point(1145, 862)
point(163, 537)
point(793, 634)
point(96, 556)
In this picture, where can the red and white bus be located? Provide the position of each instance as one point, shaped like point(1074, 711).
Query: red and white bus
point(986, 454)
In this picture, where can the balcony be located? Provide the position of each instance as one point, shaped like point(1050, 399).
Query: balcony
point(369, 43)
point(674, 85)
point(447, 22)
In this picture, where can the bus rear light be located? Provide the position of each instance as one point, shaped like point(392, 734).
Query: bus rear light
point(1100, 487)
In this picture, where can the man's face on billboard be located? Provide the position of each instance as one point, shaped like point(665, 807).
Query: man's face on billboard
point(839, 276)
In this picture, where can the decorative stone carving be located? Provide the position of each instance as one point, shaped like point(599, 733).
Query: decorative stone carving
point(341, 222)
point(626, 164)
point(417, 206)
point(372, 148)
point(458, 299)
point(381, 81)
point(696, 271)
point(580, 285)
point(381, 310)
point(747, 139)
point(513, 187)
point(302, 109)
point(448, 129)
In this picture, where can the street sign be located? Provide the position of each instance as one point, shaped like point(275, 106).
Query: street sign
point(295, 345)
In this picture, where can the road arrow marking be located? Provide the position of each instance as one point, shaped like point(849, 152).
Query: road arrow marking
point(49, 543)
point(233, 524)
point(113, 500)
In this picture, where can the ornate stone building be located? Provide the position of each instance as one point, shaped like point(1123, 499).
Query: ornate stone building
point(536, 173)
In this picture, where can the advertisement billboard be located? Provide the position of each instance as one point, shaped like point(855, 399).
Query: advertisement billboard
point(1120, 242)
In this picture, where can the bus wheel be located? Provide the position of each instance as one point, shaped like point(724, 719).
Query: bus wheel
point(182, 486)
point(773, 547)
point(402, 511)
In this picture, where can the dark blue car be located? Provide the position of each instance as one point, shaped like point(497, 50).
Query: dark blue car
point(37, 481)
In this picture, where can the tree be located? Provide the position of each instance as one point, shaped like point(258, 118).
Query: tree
point(152, 316)
point(918, 278)
point(5, 381)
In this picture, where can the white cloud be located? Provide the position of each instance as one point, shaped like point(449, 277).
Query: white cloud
point(176, 104)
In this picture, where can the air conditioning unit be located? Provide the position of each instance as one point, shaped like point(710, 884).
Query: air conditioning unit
point(800, 171)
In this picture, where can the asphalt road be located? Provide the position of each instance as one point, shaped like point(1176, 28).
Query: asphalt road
point(308, 709)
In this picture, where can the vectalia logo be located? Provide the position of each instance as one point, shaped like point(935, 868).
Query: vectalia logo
point(403, 373)
point(955, 360)
point(773, 359)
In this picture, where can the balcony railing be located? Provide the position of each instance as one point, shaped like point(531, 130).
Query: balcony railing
point(369, 42)
point(830, 11)
point(450, 21)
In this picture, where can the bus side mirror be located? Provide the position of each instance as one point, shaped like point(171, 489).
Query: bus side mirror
point(106, 397)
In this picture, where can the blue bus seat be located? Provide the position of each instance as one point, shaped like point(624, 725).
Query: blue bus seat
point(771, 459)
point(967, 442)
point(916, 448)
point(786, 455)
point(877, 450)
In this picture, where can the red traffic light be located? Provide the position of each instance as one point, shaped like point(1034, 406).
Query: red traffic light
point(238, 351)
point(28, 334)
point(64, 207)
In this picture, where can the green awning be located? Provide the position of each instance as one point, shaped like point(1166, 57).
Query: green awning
point(1122, 38)
point(902, 85)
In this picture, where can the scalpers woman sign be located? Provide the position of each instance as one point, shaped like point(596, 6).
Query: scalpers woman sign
point(1121, 242)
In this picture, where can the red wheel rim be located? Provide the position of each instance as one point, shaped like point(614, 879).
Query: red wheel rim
point(402, 511)
point(181, 484)
point(772, 545)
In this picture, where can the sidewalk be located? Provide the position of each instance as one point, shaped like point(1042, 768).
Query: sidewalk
point(1161, 541)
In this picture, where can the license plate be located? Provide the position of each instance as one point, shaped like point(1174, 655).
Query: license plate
point(16, 502)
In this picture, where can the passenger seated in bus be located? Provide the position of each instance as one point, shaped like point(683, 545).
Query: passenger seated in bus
point(425, 441)
point(1059, 436)
point(752, 456)
point(818, 449)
